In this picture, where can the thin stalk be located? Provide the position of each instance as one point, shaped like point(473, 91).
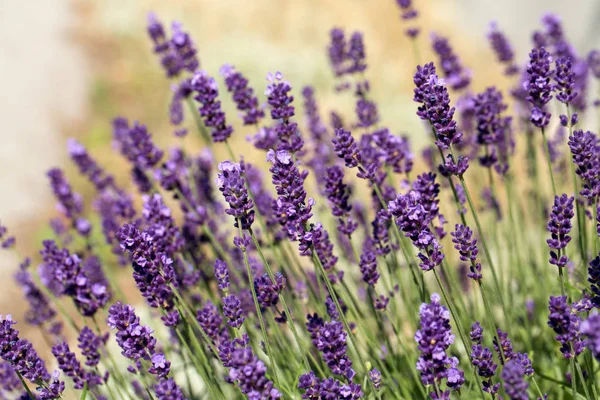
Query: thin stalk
point(343, 319)
point(580, 372)
point(31, 396)
point(259, 314)
point(548, 161)
point(419, 282)
point(290, 318)
point(492, 322)
point(199, 124)
point(486, 250)
point(458, 326)
point(580, 216)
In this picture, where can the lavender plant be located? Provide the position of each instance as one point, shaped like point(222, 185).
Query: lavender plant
point(291, 287)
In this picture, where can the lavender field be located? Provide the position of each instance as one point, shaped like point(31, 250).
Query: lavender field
point(285, 247)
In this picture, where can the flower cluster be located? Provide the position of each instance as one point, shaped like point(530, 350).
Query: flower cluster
point(566, 325)
point(559, 227)
point(433, 338)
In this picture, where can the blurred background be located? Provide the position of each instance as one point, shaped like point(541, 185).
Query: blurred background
point(68, 67)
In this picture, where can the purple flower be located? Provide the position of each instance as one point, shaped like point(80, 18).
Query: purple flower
point(492, 129)
point(318, 238)
point(337, 51)
point(587, 163)
point(8, 377)
point(210, 320)
point(68, 363)
point(222, 275)
point(368, 266)
point(395, 150)
point(590, 328)
point(594, 280)
point(207, 92)
point(565, 80)
point(163, 46)
point(467, 247)
point(73, 281)
point(249, 373)
point(375, 377)
point(23, 358)
point(292, 207)
point(167, 389)
point(160, 365)
point(413, 219)
point(184, 48)
point(232, 311)
point(233, 186)
point(559, 227)
point(432, 94)
point(90, 345)
point(476, 333)
point(338, 194)
point(458, 77)
point(282, 110)
point(136, 340)
point(268, 291)
point(243, 95)
point(331, 342)
point(503, 49)
point(367, 113)
point(565, 324)
point(69, 202)
point(538, 85)
point(380, 230)
point(433, 338)
point(356, 54)
point(515, 385)
point(346, 148)
point(87, 166)
point(40, 310)
point(135, 144)
point(482, 359)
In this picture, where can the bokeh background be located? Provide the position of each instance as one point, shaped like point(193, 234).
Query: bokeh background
point(68, 67)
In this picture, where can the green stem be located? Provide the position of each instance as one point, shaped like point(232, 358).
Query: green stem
point(548, 161)
point(458, 325)
point(259, 313)
point(290, 318)
point(199, 124)
point(343, 319)
point(486, 250)
point(31, 396)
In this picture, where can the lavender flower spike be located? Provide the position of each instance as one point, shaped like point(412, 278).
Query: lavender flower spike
point(503, 49)
point(467, 247)
point(233, 186)
point(590, 328)
point(433, 338)
point(207, 91)
point(566, 323)
point(565, 80)
point(538, 85)
point(559, 227)
point(243, 95)
point(515, 385)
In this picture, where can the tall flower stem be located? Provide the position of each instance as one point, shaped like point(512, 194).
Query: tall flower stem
point(199, 124)
point(578, 208)
point(491, 319)
point(259, 313)
point(420, 283)
point(340, 311)
point(548, 161)
point(31, 396)
point(486, 250)
point(458, 327)
point(580, 373)
point(290, 318)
